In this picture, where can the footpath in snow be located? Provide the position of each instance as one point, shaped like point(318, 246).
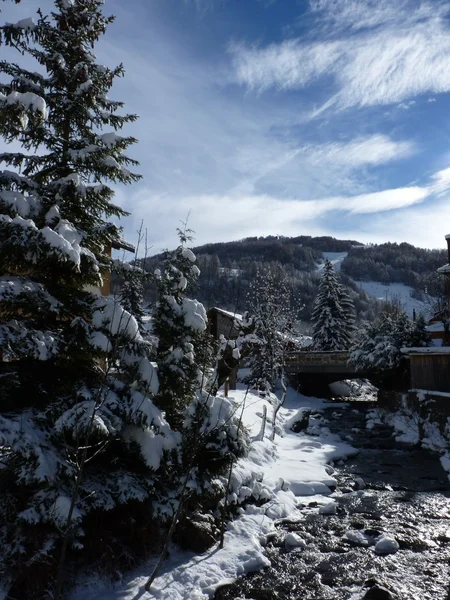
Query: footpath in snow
point(280, 471)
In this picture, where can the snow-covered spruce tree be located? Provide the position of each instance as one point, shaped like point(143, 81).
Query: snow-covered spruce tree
point(333, 314)
point(80, 438)
point(378, 349)
point(266, 328)
point(211, 434)
point(180, 324)
point(419, 334)
point(131, 292)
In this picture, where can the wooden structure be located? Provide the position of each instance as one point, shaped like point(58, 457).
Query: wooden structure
point(430, 368)
point(115, 245)
point(438, 328)
point(222, 322)
point(333, 364)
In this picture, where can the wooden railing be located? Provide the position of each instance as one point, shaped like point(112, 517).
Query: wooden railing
point(318, 358)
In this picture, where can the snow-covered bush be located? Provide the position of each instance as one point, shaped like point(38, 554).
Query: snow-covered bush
point(378, 349)
point(211, 437)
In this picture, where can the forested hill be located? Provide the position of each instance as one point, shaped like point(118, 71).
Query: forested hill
point(389, 263)
point(228, 268)
point(302, 252)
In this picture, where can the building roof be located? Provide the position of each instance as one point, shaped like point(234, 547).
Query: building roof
point(227, 313)
point(436, 327)
point(121, 244)
point(444, 269)
point(427, 350)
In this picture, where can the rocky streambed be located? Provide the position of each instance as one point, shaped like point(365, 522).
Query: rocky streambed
point(385, 536)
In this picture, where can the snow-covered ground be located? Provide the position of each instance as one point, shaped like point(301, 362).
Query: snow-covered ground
point(394, 292)
point(292, 466)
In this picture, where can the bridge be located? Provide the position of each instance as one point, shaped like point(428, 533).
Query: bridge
point(333, 365)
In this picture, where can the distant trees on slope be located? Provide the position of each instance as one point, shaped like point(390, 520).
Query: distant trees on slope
point(228, 268)
point(391, 262)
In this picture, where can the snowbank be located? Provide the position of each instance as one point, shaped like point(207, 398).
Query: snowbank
point(291, 466)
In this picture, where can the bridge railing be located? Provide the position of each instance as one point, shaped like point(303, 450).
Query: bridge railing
point(311, 357)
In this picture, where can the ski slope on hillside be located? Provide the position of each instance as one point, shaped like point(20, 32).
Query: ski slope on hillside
point(395, 292)
point(335, 259)
point(392, 292)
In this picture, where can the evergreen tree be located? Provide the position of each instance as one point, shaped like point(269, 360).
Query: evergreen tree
point(419, 335)
point(131, 292)
point(180, 324)
point(378, 349)
point(333, 313)
point(266, 327)
point(77, 423)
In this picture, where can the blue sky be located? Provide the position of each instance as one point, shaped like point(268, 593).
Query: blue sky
point(319, 117)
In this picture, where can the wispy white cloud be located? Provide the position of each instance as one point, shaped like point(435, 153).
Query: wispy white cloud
point(441, 182)
point(232, 216)
point(241, 165)
point(403, 57)
point(374, 150)
point(194, 141)
point(423, 225)
point(362, 14)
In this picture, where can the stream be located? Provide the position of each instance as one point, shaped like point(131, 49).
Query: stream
point(387, 488)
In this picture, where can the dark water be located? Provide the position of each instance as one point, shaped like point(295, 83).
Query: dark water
point(406, 494)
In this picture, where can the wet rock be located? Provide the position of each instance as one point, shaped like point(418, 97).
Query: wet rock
point(263, 594)
point(386, 544)
point(356, 538)
point(359, 483)
point(292, 540)
point(377, 592)
point(196, 533)
point(328, 509)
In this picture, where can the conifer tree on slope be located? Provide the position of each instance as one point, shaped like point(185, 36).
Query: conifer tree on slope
point(265, 327)
point(333, 313)
point(78, 429)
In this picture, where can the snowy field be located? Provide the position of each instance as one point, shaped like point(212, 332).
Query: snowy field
point(294, 465)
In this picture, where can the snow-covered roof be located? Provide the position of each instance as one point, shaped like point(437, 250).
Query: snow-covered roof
point(431, 392)
point(444, 269)
point(447, 237)
point(121, 244)
point(435, 327)
point(228, 313)
point(427, 350)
